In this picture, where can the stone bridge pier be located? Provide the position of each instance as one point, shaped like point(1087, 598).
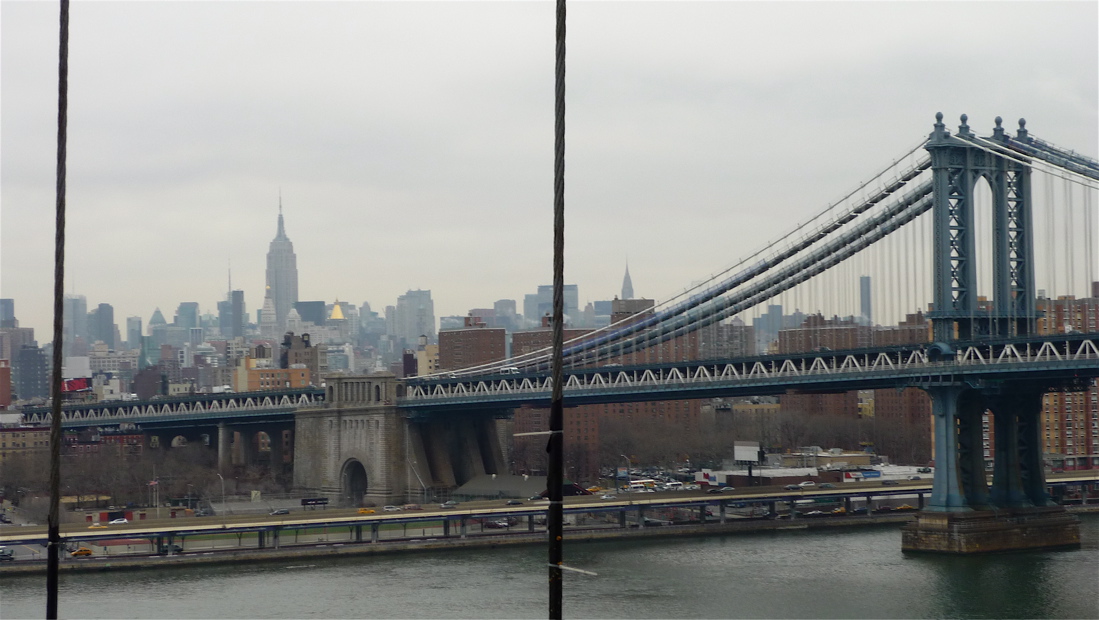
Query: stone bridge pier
point(358, 447)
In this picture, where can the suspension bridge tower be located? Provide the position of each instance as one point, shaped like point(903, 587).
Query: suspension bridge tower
point(965, 514)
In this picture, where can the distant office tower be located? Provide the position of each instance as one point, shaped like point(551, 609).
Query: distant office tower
point(31, 373)
point(864, 300)
point(7, 313)
point(238, 313)
point(187, 315)
point(268, 317)
point(627, 285)
point(75, 321)
point(540, 304)
point(101, 327)
point(311, 311)
point(133, 332)
point(414, 316)
point(282, 273)
point(231, 315)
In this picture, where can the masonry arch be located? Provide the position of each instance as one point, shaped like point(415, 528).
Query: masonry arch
point(179, 441)
point(353, 483)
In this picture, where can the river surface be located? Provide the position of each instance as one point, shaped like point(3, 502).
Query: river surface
point(840, 573)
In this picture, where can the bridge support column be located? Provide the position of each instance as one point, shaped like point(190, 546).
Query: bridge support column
point(959, 518)
point(373, 532)
point(1007, 480)
point(442, 471)
point(947, 494)
point(225, 455)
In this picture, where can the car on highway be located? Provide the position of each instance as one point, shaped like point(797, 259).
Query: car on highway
point(280, 511)
point(923, 470)
point(827, 485)
point(81, 552)
point(97, 526)
point(412, 507)
point(118, 521)
point(792, 487)
point(391, 509)
point(727, 489)
point(166, 549)
point(608, 496)
point(448, 504)
point(914, 478)
point(889, 483)
point(713, 491)
point(534, 498)
point(7, 555)
point(513, 502)
point(366, 511)
point(806, 484)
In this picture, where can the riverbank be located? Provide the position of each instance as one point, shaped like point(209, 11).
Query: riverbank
point(423, 545)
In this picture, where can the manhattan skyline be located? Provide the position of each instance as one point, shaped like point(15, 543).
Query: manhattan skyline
point(413, 143)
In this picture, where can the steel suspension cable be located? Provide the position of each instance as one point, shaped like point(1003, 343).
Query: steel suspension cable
point(556, 447)
point(54, 520)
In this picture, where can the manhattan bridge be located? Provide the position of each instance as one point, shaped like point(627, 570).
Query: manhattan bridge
point(962, 228)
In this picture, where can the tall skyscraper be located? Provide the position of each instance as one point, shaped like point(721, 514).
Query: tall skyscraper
point(7, 313)
point(627, 285)
point(414, 316)
point(101, 325)
point(864, 300)
point(133, 332)
point(540, 304)
point(282, 273)
point(75, 321)
point(187, 315)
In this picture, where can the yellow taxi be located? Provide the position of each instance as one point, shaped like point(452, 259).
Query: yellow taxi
point(82, 551)
point(97, 526)
point(366, 511)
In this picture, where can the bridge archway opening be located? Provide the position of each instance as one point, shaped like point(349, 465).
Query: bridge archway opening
point(353, 483)
point(179, 441)
point(982, 231)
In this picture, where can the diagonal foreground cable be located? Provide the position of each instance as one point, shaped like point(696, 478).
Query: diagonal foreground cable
point(54, 529)
point(556, 446)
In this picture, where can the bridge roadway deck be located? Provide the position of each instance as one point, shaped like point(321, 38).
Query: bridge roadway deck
point(1042, 360)
point(477, 510)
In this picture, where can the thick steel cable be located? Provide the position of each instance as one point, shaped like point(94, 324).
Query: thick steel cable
point(53, 545)
point(556, 448)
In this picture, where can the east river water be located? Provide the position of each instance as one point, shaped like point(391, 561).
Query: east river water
point(841, 573)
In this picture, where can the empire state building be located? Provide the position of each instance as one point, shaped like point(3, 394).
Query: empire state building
point(282, 273)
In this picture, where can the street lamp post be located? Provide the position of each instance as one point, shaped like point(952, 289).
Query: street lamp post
point(222, 492)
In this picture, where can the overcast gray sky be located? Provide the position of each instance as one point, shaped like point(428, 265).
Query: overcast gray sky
point(413, 141)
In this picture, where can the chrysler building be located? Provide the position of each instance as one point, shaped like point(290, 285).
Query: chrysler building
point(282, 273)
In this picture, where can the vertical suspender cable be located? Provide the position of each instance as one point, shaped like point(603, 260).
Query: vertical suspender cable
point(556, 448)
point(1070, 244)
point(1051, 268)
point(54, 529)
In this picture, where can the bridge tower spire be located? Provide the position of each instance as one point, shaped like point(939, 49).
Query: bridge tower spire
point(958, 162)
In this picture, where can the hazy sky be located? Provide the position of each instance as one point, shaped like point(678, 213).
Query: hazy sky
point(413, 141)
